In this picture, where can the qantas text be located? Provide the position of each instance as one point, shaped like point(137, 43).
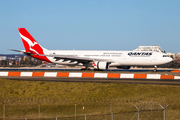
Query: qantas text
point(143, 54)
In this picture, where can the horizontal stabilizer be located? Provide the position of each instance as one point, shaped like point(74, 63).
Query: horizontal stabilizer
point(21, 51)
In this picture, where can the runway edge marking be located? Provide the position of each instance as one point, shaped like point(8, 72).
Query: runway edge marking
point(88, 75)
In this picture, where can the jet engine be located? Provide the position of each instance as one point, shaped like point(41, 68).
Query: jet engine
point(101, 65)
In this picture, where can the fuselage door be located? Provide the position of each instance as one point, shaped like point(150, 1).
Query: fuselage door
point(155, 56)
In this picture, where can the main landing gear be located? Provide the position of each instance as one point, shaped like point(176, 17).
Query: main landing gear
point(86, 67)
point(155, 68)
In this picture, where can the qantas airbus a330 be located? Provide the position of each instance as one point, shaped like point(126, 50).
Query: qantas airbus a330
point(98, 59)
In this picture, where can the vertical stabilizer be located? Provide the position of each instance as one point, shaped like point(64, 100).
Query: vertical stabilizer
point(31, 46)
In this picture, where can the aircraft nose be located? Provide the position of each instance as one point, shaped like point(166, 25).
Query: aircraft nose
point(170, 59)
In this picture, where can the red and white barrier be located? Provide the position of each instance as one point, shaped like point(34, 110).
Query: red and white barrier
point(88, 75)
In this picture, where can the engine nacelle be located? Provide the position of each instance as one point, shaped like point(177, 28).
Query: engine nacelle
point(123, 67)
point(101, 65)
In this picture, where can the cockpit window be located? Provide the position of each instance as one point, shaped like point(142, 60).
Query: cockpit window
point(165, 55)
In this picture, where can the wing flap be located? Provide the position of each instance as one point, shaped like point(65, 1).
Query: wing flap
point(72, 58)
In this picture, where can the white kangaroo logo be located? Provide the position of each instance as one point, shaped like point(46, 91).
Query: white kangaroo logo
point(30, 43)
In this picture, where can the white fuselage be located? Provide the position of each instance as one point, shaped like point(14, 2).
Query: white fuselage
point(116, 58)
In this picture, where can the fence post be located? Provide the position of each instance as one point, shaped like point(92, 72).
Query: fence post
point(164, 116)
point(84, 112)
point(39, 109)
point(137, 112)
point(151, 108)
point(110, 109)
point(3, 109)
point(75, 109)
point(112, 116)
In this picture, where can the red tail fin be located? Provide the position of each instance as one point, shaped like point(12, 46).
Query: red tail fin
point(29, 42)
point(31, 45)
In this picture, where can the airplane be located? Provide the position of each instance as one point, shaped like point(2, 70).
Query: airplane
point(99, 60)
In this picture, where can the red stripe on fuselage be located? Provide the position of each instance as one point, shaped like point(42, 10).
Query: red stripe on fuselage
point(44, 58)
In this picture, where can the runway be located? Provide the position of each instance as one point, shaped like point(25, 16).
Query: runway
point(70, 69)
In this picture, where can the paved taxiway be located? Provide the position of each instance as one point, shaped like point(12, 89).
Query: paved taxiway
point(99, 80)
point(78, 70)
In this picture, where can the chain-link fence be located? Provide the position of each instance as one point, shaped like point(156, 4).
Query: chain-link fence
point(82, 108)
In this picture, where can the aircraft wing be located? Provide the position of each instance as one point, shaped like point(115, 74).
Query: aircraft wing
point(71, 58)
point(74, 58)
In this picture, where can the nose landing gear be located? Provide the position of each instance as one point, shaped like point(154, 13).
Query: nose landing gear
point(155, 68)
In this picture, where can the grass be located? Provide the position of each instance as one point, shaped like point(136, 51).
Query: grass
point(57, 99)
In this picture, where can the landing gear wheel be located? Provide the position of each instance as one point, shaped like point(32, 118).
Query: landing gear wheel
point(155, 68)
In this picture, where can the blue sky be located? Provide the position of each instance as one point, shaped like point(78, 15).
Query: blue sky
point(91, 24)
